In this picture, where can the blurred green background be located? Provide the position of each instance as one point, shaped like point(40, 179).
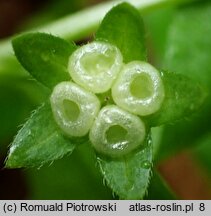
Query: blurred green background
point(178, 39)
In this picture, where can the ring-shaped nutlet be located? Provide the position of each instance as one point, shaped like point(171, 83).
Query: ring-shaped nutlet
point(139, 89)
point(74, 108)
point(116, 132)
point(95, 66)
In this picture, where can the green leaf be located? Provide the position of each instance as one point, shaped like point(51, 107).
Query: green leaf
point(44, 56)
point(130, 176)
point(123, 27)
point(183, 97)
point(39, 141)
point(158, 189)
point(188, 52)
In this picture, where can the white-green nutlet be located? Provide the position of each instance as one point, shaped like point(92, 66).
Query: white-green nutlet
point(139, 89)
point(95, 66)
point(74, 108)
point(116, 132)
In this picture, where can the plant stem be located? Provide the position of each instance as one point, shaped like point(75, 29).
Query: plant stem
point(83, 23)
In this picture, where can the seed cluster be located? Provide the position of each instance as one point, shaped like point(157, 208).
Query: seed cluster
point(136, 88)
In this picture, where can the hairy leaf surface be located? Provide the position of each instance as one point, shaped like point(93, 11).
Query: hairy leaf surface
point(44, 56)
point(130, 176)
point(123, 26)
point(39, 141)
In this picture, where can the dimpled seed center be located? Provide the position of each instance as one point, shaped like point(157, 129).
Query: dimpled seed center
point(116, 134)
point(71, 110)
point(95, 63)
point(142, 87)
